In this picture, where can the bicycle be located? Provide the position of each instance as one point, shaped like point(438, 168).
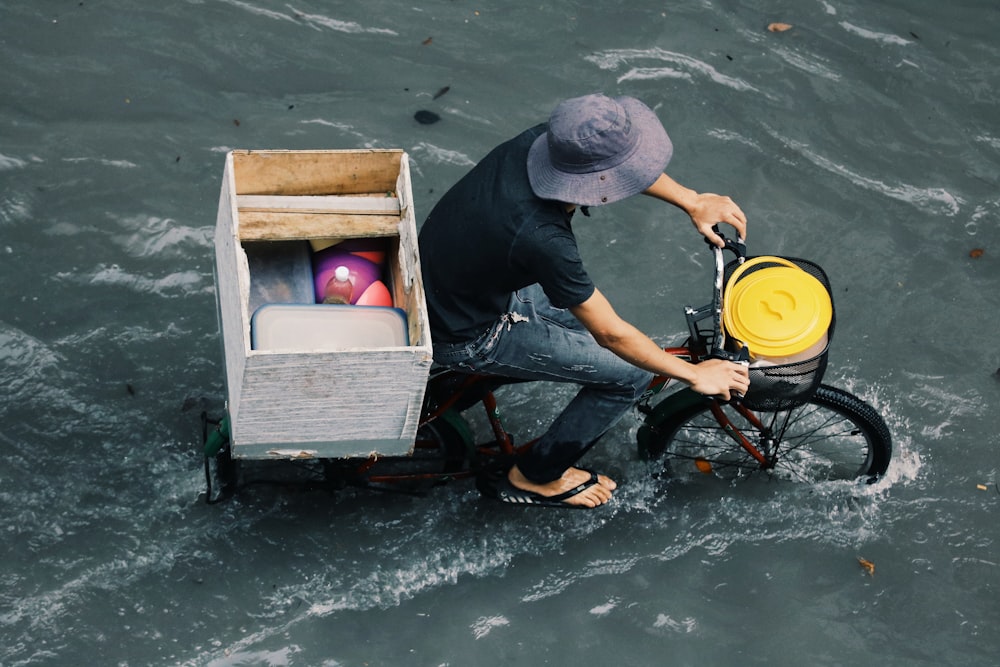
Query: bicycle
point(789, 422)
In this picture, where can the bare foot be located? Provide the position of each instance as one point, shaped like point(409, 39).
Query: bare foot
point(593, 496)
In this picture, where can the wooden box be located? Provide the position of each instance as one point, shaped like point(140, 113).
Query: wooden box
point(274, 207)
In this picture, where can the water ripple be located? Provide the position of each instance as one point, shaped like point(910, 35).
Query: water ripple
point(180, 283)
point(933, 200)
point(438, 155)
point(338, 25)
point(882, 37)
point(7, 162)
point(810, 65)
point(14, 210)
point(23, 360)
point(315, 21)
point(119, 164)
point(680, 66)
point(483, 626)
point(164, 237)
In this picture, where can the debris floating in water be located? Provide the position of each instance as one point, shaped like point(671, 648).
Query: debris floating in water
point(868, 565)
point(976, 253)
point(441, 92)
point(779, 27)
point(425, 117)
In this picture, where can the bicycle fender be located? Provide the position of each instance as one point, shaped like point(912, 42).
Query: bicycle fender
point(679, 401)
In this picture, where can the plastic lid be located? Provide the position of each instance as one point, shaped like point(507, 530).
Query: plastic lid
point(342, 273)
point(778, 311)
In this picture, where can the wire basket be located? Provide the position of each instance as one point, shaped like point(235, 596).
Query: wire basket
point(785, 386)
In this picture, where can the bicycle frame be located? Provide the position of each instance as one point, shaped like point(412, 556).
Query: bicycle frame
point(703, 344)
point(711, 344)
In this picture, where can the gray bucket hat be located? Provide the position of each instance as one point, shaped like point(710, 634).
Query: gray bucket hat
point(598, 150)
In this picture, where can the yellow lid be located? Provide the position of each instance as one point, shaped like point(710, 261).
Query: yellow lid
point(777, 311)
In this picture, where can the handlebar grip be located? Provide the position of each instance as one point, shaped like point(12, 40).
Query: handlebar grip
point(740, 356)
point(736, 246)
point(744, 360)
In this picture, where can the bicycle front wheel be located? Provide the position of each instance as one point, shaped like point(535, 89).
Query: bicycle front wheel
point(835, 435)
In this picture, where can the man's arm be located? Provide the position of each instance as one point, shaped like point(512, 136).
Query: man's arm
point(713, 377)
point(705, 209)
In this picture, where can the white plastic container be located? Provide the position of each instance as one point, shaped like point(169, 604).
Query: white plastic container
point(323, 327)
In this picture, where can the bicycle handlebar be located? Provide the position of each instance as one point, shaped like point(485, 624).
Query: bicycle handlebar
point(740, 354)
point(738, 248)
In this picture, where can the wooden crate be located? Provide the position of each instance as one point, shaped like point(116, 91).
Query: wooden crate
point(317, 403)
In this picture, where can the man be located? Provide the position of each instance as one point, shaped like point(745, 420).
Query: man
point(508, 294)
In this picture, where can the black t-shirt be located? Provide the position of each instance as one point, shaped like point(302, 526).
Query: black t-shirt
point(490, 236)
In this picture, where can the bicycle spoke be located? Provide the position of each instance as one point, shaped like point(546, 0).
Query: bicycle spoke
point(817, 436)
point(708, 442)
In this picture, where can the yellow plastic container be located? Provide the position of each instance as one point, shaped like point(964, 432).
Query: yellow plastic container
point(781, 312)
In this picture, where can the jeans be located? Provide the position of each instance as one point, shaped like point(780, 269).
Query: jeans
point(534, 340)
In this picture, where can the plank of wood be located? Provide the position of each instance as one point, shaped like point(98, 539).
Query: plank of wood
point(330, 172)
point(377, 205)
point(282, 226)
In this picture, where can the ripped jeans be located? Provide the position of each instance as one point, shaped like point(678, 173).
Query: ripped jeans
point(534, 340)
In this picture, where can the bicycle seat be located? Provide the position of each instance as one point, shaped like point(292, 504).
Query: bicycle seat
point(444, 382)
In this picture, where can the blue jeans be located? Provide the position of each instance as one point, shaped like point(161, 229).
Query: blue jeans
point(534, 340)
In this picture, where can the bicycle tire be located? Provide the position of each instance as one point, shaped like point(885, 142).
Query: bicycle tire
point(835, 435)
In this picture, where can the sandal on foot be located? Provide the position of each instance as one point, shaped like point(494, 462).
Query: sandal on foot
point(499, 487)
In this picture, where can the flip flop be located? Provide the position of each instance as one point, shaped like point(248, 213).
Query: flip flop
point(500, 488)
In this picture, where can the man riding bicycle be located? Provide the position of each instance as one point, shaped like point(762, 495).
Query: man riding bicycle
point(508, 295)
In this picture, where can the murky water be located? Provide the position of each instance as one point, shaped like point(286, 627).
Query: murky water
point(866, 138)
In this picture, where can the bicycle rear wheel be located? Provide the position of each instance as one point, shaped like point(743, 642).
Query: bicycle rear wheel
point(443, 447)
point(835, 435)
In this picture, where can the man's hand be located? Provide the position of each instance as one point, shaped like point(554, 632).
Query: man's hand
point(710, 209)
point(717, 377)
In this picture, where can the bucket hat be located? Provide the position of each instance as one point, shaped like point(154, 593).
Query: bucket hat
point(598, 150)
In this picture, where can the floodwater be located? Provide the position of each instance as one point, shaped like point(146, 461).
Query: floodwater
point(865, 138)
